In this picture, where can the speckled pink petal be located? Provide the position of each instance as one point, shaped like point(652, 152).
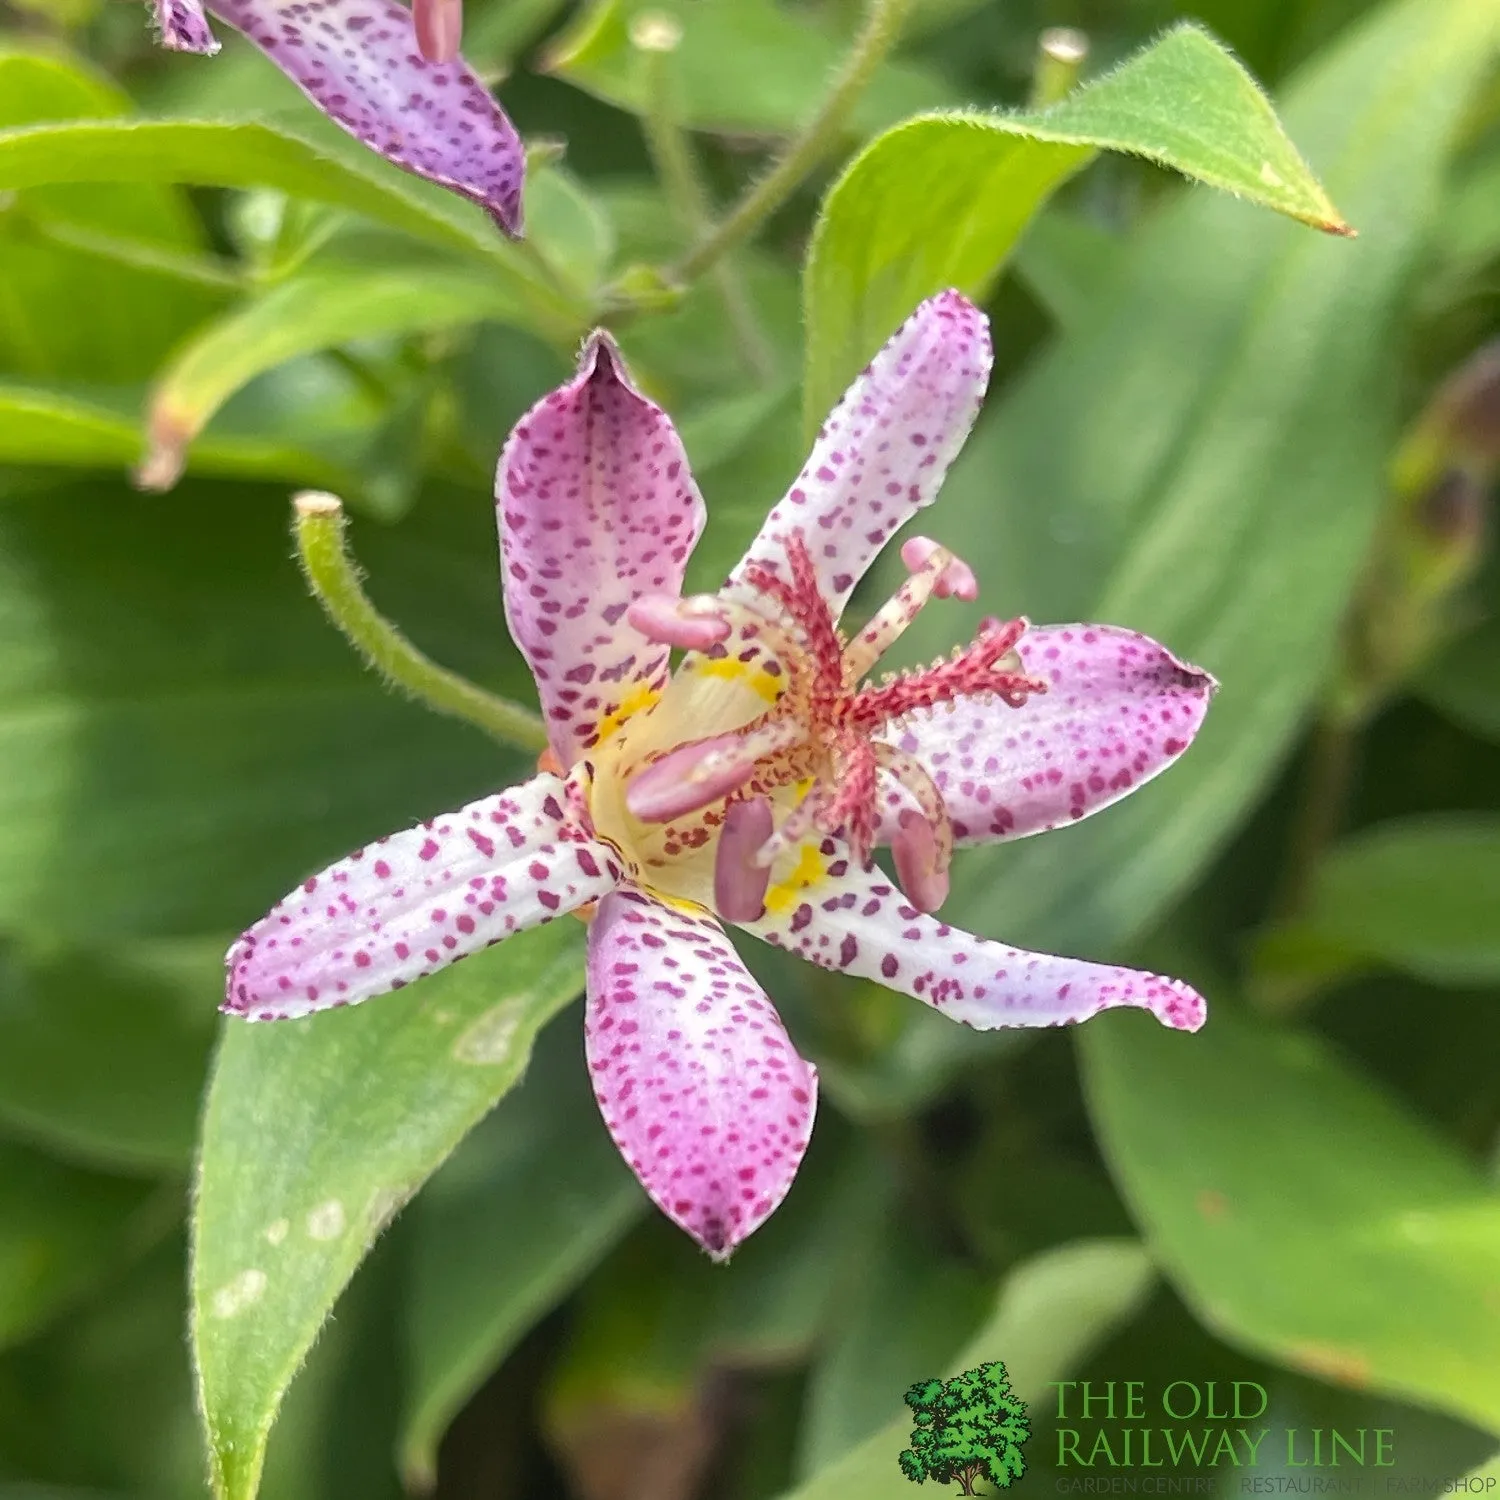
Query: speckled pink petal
point(884, 450)
point(859, 923)
point(597, 507)
point(414, 902)
point(697, 1080)
point(184, 27)
point(359, 62)
point(1118, 710)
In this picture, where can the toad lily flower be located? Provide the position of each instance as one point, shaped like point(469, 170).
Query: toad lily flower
point(390, 76)
point(752, 783)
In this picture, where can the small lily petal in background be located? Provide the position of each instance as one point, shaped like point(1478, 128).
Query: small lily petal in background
point(391, 78)
point(752, 784)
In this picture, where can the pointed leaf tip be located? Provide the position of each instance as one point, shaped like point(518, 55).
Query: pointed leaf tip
point(917, 210)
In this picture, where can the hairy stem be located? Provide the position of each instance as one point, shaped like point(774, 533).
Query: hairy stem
point(805, 151)
point(333, 577)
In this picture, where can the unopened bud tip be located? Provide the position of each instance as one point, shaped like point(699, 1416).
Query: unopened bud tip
point(311, 503)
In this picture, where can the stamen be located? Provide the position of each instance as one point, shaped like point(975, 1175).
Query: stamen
point(740, 880)
point(794, 828)
point(934, 571)
point(702, 772)
point(923, 853)
point(819, 732)
point(439, 25)
point(692, 624)
point(916, 780)
point(914, 849)
point(956, 581)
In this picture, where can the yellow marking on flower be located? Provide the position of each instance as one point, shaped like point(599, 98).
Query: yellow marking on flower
point(677, 903)
point(757, 679)
point(641, 696)
point(811, 868)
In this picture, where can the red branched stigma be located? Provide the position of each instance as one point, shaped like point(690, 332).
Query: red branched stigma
point(840, 718)
point(802, 600)
point(971, 669)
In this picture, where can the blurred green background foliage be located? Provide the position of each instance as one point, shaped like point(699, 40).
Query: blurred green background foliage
point(1272, 449)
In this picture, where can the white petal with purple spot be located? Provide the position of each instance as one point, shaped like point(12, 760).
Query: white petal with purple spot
point(859, 923)
point(885, 449)
point(417, 901)
point(1118, 710)
point(597, 507)
point(359, 62)
point(697, 1080)
point(184, 27)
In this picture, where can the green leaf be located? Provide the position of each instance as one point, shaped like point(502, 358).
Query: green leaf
point(521, 1213)
point(26, 1491)
point(127, 1337)
point(41, 84)
point(62, 1231)
point(778, 1299)
point(570, 230)
point(40, 426)
point(1464, 681)
point(1234, 541)
point(941, 200)
point(67, 308)
point(495, 39)
point(1490, 1470)
point(345, 1395)
point(719, 431)
point(102, 1054)
point(1418, 894)
point(1068, 264)
point(315, 1133)
point(254, 153)
point(183, 737)
point(625, 1394)
point(316, 310)
point(905, 1054)
point(1052, 1310)
point(1470, 237)
point(751, 67)
point(655, 1323)
point(905, 1308)
point(1299, 1212)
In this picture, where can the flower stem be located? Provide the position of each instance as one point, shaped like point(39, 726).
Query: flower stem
point(655, 38)
point(333, 576)
point(882, 26)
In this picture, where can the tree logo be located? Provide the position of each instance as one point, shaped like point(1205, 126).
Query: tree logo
point(971, 1427)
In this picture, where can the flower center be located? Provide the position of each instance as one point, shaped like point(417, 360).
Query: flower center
point(765, 736)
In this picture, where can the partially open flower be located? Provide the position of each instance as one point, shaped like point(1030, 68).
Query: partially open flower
point(753, 783)
point(392, 77)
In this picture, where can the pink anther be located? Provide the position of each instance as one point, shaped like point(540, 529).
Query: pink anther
point(915, 850)
point(957, 580)
point(692, 624)
point(740, 880)
point(440, 27)
point(692, 776)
